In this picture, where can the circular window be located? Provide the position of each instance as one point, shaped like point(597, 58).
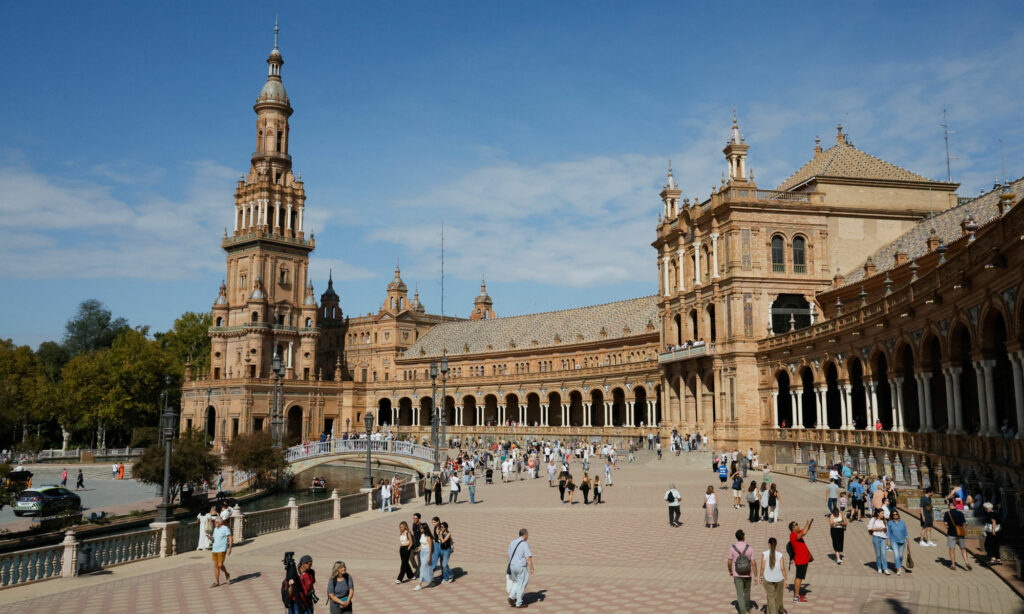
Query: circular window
point(306, 354)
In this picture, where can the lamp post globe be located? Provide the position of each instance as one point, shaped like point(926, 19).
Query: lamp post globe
point(368, 422)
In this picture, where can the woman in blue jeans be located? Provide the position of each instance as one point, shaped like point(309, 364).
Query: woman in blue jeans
point(879, 536)
point(897, 540)
point(425, 551)
point(444, 543)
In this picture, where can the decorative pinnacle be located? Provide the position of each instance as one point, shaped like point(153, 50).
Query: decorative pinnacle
point(275, 31)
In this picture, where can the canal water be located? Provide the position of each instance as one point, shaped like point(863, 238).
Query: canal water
point(346, 477)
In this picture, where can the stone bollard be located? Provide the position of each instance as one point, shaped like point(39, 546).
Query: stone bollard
point(69, 563)
point(238, 527)
point(912, 470)
point(897, 470)
point(416, 489)
point(336, 508)
point(166, 536)
point(293, 508)
point(369, 499)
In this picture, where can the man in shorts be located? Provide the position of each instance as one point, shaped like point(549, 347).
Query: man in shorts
point(954, 519)
point(221, 548)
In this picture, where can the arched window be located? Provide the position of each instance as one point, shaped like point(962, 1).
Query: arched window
point(799, 255)
point(309, 322)
point(778, 255)
point(255, 317)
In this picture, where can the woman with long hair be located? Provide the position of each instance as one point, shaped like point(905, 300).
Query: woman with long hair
point(570, 487)
point(426, 551)
point(837, 530)
point(585, 488)
point(710, 508)
point(773, 502)
point(405, 546)
point(340, 589)
point(437, 489)
point(773, 576)
point(753, 502)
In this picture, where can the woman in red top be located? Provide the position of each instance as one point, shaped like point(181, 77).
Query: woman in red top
point(801, 556)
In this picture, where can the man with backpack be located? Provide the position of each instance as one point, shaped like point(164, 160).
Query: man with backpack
point(743, 569)
point(672, 496)
point(297, 590)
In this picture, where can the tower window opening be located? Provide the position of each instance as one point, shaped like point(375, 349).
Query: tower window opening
point(280, 141)
point(255, 317)
point(778, 255)
point(799, 255)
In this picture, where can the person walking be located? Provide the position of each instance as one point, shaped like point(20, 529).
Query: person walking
point(812, 470)
point(551, 472)
point(837, 530)
point(742, 567)
point(753, 502)
point(570, 487)
point(607, 473)
point(340, 589)
point(773, 503)
point(444, 546)
point(672, 496)
point(405, 546)
point(773, 576)
point(471, 487)
point(113, 471)
point(598, 491)
point(737, 489)
point(956, 536)
point(927, 518)
point(425, 551)
point(991, 532)
point(519, 569)
point(221, 549)
point(878, 530)
point(453, 488)
point(896, 538)
point(437, 489)
point(302, 594)
point(764, 501)
point(80, 481)
point(64, 478)
point(385, 496)
point(801, 556)
point(562, 479)
point(832, 495)
point(710, 508)
point(585, 489)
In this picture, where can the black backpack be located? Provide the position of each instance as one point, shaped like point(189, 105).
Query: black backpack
point(671, 497)
point(286, 597)
point(742, 564)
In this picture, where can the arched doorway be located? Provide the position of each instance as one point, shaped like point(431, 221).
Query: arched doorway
point(857, 394)
point(790, 311)
point(533, 409)
point(384, 412)
point(449, 410)
point(960, 352)
point(833, 403)
point(808, 402)
point(711, 322)
point(618, 407)
point(576, 408)
point(426, 411)
point(469, 410)
point(909, 406)
point(883, 393)
point(657, 404)
point(993, 347)
point(490, 410)
point(511, 408)
point(931, 362)
point(404, 411)
point(211, 424)
point(597, 408)
point(678, 319)
point(783, 400)
point(554, 409)
point(293, 430)
point(639, 405)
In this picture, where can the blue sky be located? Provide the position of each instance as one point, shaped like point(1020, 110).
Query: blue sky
point(538, 132)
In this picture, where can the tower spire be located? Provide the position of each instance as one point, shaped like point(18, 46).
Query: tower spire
point(275, 31)
point(736, 152)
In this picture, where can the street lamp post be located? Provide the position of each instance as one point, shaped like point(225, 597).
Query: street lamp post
point(368, 422)
point(444, 402)
point(433, 417)
point(163, 510)
point(276, 420)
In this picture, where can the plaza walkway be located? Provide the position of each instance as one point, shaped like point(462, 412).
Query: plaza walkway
point(618, 557)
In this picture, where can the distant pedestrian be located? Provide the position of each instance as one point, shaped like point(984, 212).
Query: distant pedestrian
point(471, 486)
point(878, 530)
point(64, 478)
point(710, 508)
point(927, 518)
point(453, 488)
point(607, 473)
point(519, 568)
point(221, 549)
point(120, 471)
point(405, 546)
point(991, 531)
point(425, 551)
point(743, 568)
point(437, 489)
point(773, 576)
point(598, 492)
point(113, 471)
point(956, 536)
point(385, 496)
point(80, 481)
point(837, 530)
point(672, 496)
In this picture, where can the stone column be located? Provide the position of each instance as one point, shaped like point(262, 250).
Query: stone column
point(958, 407)
point(896, 392)
point(798, 413)
point(979, 375)
point(544, 407)
point(301, 209)
point(293, 518)
point(522, 414)
point(775, 408)
point(664, 275)
point(336, 507)
point(1017, 360)
point(288, 217)
point(650, 413)
point(237, 209)
point(928, 425)
point(872, 399)
point(846, 391)
point(565, 414)
point(947, 375)
point(680, 256)
point(696, 262)
point(586, 414)
point(919, 381)
point(238, 526)
point(990, 398)
point(607, 413)
point(714, 255)
point(819, 398)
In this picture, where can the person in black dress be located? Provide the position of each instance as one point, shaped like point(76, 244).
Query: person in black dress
point(585, 489)
point(437, 490)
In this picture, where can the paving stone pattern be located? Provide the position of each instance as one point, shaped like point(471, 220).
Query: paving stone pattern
point(621, 556)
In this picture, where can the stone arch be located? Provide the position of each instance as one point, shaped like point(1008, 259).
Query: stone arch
point(997, 369)
point(554, 399)
point(709, 400)
point(533, 416)
point(384, 412)
point(404, 412)
point(639, 404)
point(932, 356)
point(426, 410)
point(210, 423)
point(511, 407)
point(618, 407)
point(491, 409)
point(858, 392)
point(807, 403)
point(675, 398)
point(576, 408)
point(709, 315)
point(657, 404)
point(469, 410)
point(783, 399)
point(677, 320)
point(962, 348)
point(597, 401)
point(883, 393)
point(904, 368)
point(293, 432)
point(449, 409)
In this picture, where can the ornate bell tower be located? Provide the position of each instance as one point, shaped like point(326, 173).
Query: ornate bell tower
point(267, 303)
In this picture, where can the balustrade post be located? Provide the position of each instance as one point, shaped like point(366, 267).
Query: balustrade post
point(336, 505)
point(238, 526)
point(69, 562)
point(293, 514)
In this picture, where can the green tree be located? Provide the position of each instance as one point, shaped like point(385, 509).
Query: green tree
point(22, 388)
point(256, 454)
point(53, 356)
point(116, 388)
point(188, 340)
point(191, 461)
point(92, 328)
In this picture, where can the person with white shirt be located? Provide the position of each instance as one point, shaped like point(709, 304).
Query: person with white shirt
point(879, 532)
point(672, 496)
point(773, 576)
point(385, 496)
point(519, 569)
point(453, 488)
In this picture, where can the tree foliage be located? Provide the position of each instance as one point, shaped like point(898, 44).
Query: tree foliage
point(191, 461)
point(256, 454)
point(23, 387)
point(92, 328)
point(188, 340)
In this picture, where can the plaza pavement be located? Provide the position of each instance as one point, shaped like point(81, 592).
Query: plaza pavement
point(621, 556)
point(102, 493)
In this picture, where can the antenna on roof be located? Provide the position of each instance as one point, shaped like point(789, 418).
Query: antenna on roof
point(946, 131)
point(442, 270)
point(1002, 158)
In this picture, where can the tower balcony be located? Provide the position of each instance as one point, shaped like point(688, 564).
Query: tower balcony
point(250, 236)
point(272, 155)
point(680, 353)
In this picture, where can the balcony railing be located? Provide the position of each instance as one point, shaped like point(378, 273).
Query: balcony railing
point(778, 267)
point(681, 353)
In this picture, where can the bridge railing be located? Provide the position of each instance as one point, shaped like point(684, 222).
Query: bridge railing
point(342, 446)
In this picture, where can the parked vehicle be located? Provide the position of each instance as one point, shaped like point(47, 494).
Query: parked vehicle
point(46, 501)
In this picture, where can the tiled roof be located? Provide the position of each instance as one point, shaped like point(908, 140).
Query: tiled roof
point(946, 226)
point(618, 320)
point(843, 160)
